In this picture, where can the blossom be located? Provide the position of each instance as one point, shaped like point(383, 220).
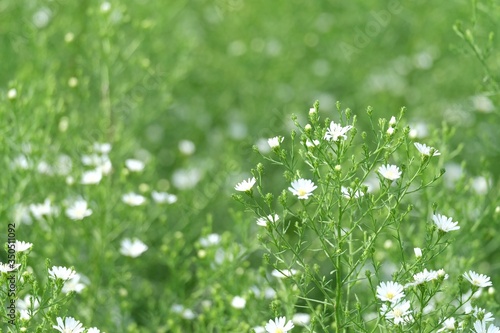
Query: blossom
point(283, 273)
point(245, 185)
point(69, 325)
point(78, 210)
point(479, 280)
point(133, 199)
point(390, 172)
point(445, 223)
point(390, 291)
point(279, 325)
point(91, 177)
point(163, 197)
point(210, 240)
point(93, 330)
point(482, 314)
point(103, 148)
point(301, 319)
point(424, 276)
point(60, 272)
point(132, 247)
point(27, 307)
point(418, 252)
point(187, 147)
point(399, 313)
point(74, 284)
point(262, 221)
point(336, 131)
point(238, 302)
point(425, 150)
point(40, 210)
point(275, 142)
point(22, 246)
point(134, 165)
point(12, 93)
point(312, 144)
point(302, 188)
point(448, 325)
point(350, 193)
point(480, 327)
point(5, 268)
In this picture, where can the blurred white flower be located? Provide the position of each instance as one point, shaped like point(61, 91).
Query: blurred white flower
point(163, 197)
point(185, 179)
point(390, 172)
point(238, 302)
point(133, 199)
point(75, 284)
point(301, 319)
point(302, 188)
point(188, 314)
point(350, 193)
point(187, 147)
point(483, 104)
point(102, 148)
point(105, 7)
point(448, 325)
point(20, 162)
point(262, 221)
point(132, 247)
point(12, 93)
point(312, 144)
point(418, 252)
point(25, 306)
point(78, 210)
point(210, 240)
point(5, 268)
point(43, 210)
point(392, 121)
point(245, 185)
point(480, 185)
point(93, 330)
point(134, 165)
point(60, 272)
point(284, 273)
point(91, 177)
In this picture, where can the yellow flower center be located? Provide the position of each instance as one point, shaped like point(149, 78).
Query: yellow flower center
point(390, 295)
point(278, 330)
point(301, 193)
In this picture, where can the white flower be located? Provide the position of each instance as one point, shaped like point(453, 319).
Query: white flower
point(480, 327)
point(448, 325)
point(40, 210)
point(336, 131)
point(238, 302)
point(482, 314)
point(426, 150)
point(279, 325)
point(390, 172)
point(445, 223)
point(74, 284)
point(424, 276)
point(479, 280)
point(188, 314)
point(262, 221)
point(312, 144)
point(284, 273)
point(22, 246)
point(210, 240)
point(5, 268)
point(12, 93)
point(78, 210)
point(69, 325)
point(245, 185)
point(392, 121)
point(390, 131)
point(418, 252)
point(26, 308)
point(163, 197)
point(259, 329)
point(187, 147)
point(91, 177)
point(134, 165)
point(302, 188)
point(275, 142)
point(133, 199)
point(390, 291)
point(350, 193)
point(60, 272)
point(399, 313)
point(301, 319)
point(132, 248)
point(93, 330)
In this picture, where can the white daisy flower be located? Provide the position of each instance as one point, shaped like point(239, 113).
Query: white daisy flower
point(74, 284)
point(26, 309)
point(479, 280)
point(91, 177)
point(444, 223)
point(312, 144)
point(301, 319)
point(262, 221)
point(68, 325)
point(134, 165)
point(22, 246)
point(78, 210)
point(482, 314)
point(102, 148)
point(60, 272)
point(398, 313)
point(336, 131)
point(163, 197)
point(418, 252)
point(448, 325)
point(390, 172)
point(480, 327)
point(132, 248)
point(40, 210)
point(245, 185)
point(5, 268)
point(424, 276)
point(279, 325)
point(133, 199)
point(302, 188)
point(275, 142)
point(390, 291)
point(426, 150)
